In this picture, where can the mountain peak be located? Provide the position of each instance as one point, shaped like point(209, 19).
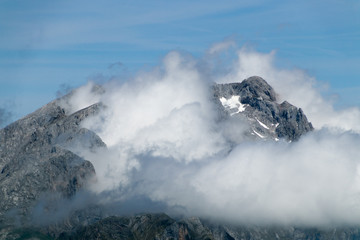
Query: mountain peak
point(39, 154)
point(252, 87)
point(255, 99)
point(257, 87)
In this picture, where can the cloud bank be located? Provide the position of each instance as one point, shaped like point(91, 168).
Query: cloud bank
point(167, 144)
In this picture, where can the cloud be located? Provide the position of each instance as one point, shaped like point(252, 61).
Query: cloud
point(167, 144)
point(113, 22)
point(221, 46)
point(83, 96)
point(295, 86)
point(311, 182)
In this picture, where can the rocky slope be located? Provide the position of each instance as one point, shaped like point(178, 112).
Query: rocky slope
point(161, 226)
point(38, 160)
point(34, 160)
point(255, 99)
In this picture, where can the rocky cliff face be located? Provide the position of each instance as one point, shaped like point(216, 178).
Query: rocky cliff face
point(38, 157)
point(255, 99)
point(34, 160)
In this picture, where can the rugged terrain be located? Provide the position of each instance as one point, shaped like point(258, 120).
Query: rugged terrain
point(161, 226)
point(255, 99)
point(38, 166)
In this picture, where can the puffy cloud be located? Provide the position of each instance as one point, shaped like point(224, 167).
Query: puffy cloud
point(294, 86)
point(166, 144)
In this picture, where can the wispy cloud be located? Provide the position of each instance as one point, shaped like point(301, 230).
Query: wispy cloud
point(49, 41)
point(221, 46)
point(68, 23)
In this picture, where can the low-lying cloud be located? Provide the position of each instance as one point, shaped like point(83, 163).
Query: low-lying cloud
point(167, 144)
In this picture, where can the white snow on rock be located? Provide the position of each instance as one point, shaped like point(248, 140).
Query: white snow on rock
point(233, 103)
point(275, 125)
point(261, 136)
point(262, 124)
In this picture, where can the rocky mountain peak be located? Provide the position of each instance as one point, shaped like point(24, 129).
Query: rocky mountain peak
point(256, 87)
point(38, 156)
point(255, 99)
point(252, 87)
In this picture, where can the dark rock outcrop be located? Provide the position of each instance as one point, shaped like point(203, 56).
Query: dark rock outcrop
point(255, 99)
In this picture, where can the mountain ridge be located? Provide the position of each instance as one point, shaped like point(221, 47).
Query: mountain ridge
point(37, 158)
point(256, 99)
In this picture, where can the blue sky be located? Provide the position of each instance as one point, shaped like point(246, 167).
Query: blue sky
point(48, 44)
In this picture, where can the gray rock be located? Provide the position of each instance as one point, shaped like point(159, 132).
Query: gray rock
point(34, 159)
point(39, 166)
point(255, 100)
point(162, 227)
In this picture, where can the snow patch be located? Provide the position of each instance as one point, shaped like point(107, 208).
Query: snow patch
point(261, 136)
point(262, 124)
point(233, 103)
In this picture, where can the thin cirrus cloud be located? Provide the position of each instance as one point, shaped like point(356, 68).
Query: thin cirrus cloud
point(46, 25)
point(69, 41)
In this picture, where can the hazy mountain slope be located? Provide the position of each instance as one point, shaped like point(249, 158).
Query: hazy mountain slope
point(38, 157)
point(34, 161)
point(161, 226)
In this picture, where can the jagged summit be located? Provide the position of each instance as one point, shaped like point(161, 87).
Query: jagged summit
point(255, 99)
point(252, 87)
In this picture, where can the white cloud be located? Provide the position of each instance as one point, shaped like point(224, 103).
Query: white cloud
point(294, 86)
point(221, 46)
point(166, 143)
point(81, 97)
